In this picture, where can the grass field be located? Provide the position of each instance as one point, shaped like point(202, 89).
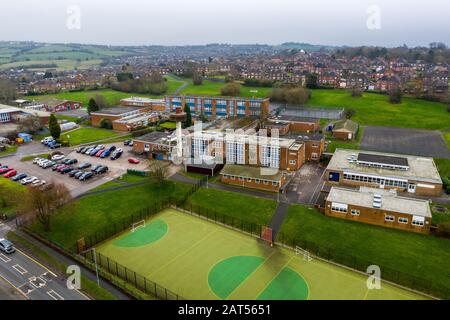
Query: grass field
point(212, 88)
point(9, 150)
point(198, 259)
point(447, 138)
point(423, 256)
point(374, 109)
point(63, 64)
point(94, 213)
point(236, 205)
point(86, 135)
point(7, 205)
point(443, 167)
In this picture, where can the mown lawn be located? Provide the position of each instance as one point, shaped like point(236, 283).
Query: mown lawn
point(94, 213)
point(236, 205)
point(9, 150)
point(86, 135)
point(212, 88)
point(15, 189)
point(426, 257)
point(447, 138)
point(443, 167)
point(374, 109)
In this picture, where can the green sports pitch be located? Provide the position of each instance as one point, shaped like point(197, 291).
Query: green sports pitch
point(198, 259)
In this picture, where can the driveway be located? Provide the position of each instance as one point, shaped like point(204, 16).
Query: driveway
point(306, 184)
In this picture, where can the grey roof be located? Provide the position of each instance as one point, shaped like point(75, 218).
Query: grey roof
point(383, 159)
point(268, 174)
point(116, 111)
point(154, 137)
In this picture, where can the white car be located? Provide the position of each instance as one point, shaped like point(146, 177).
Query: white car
point(28, 180)
point(36, 160)
point(43, 162)
point(58, 157)
point(47, 139)
point(38, 183)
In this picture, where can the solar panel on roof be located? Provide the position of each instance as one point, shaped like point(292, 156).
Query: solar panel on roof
point(381, 159)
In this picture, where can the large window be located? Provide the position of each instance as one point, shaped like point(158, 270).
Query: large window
point(391, 182)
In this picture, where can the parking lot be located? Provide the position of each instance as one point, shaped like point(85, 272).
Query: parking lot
point(116, 168)
point(405, 141)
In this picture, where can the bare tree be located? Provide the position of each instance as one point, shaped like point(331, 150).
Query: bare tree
point(101, 101)
point(8, 90)
point(158, 172)
point(42, 203)
point(30, 124)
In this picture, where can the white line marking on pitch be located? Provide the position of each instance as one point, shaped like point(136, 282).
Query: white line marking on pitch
point(54, 295)
point(19, 269)
point(4, 258)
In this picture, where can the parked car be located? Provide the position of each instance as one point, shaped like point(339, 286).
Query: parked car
point(59, 169)
point(5, 170)
point(134, 161)
point(66, 170)
point(105, 153)
point(19, 176)
point(58, 157)
point(131, 144)
point(99, 153)
point(73, 172)
point(48, 165)
point(43, 162)
point(28, 180)
point(116, 154)
point(6, 246)
point(126, 142)
point(79, 174)
point(35, 160)
point(10, 174)
point(55, 145)
point(88, 150)
point(46, 140)
point(70, 161)
point(101, 169)
point(38, 183)
point(84, 165)
point(95, 167)
point(86, 176)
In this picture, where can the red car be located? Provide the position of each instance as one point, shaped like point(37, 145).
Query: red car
point(133, 161)
point(10, 174)
point(5, 170)
point(98, 154)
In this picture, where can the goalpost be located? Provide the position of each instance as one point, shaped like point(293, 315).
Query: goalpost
point(305, 253)
point(137, 225)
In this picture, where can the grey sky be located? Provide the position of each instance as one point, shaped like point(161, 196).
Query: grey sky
point(169, 22)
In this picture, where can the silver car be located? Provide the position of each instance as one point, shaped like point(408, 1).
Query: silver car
point(6, 246)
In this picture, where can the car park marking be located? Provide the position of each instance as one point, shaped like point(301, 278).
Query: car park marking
point(55, 295)
point(38, 263)
point(4, 258)
point(37, 282)
point(19, 269)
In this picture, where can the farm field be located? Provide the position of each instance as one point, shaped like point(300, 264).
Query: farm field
point(374, 109)
point(62, 64)
point(198, 259)
point(407, 252)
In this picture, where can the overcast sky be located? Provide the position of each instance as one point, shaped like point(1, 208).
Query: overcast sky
point(179, 22)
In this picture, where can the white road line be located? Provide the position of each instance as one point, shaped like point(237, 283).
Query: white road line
point(54, 295)
point(37, 282)
point(4, 258)
point(19, 269)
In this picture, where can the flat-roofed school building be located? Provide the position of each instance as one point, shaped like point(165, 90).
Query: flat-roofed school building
point(132, 117)
point(220, 107)
point(404, 173)
point(153, 104)
point(253, 177)
point(379, 207)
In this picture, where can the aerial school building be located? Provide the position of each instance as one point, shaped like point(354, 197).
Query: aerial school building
point(220, 107)
point(403, 173)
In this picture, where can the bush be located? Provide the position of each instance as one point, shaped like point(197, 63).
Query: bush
point(291, 95)
point(349, 113)
point(444, 230)
point(231, 89)
point(446, 183)
point(395, 95)
point(197, 79)
point(106, 124)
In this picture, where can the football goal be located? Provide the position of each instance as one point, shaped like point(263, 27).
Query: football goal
point(137, 225)
point(305, 253)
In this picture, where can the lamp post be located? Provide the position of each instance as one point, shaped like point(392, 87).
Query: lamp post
point(95, 262)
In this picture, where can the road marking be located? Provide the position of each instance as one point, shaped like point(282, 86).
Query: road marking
point(17, 288)
point(37, 282)
point(38, 263)
point(54, 295)
point(19, 269)
point(28, 287)
point(4, 258)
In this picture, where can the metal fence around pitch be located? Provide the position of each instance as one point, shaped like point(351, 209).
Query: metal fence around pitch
point(140, 282)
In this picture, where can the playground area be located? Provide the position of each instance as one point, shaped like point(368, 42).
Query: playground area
point(198, 259)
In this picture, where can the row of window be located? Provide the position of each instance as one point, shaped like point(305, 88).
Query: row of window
point(257, 181)
point(387, 218)
point(379, 181)
point(383, 166)
point(5, 117)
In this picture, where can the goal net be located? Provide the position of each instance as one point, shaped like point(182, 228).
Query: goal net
point(267, 234)
point(305, 253)
point(137, 225)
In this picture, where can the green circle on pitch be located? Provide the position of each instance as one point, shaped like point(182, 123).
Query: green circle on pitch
point(287, 285)
point(142, 236)
point(228, 274)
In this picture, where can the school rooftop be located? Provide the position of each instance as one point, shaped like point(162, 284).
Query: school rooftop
point(390, 201)
point(419, 168)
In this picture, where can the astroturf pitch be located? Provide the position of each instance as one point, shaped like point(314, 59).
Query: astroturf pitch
point(198, 259)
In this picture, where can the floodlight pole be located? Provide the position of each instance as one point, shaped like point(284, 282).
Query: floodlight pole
point(95, 262)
